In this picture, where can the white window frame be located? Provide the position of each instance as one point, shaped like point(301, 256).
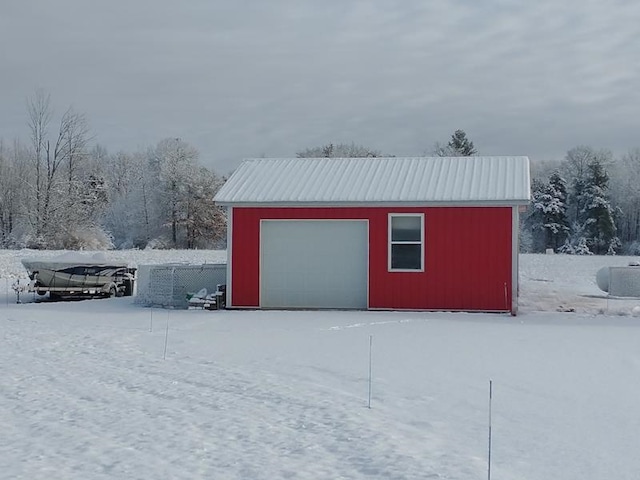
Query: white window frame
point(390, 242)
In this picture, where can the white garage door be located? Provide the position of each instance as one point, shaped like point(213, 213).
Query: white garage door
point(313, 264)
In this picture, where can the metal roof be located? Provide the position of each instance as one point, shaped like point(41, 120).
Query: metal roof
point(394, 180)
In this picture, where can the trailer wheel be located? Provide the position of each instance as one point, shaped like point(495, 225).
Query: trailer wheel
point(38, 291)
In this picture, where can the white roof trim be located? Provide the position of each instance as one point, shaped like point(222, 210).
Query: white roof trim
point(443, 181)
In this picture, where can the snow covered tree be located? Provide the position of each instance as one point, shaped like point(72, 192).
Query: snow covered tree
point(576, 169)
point(92, 186)
point(556, 222)
point(458, 146)
point(548, 218)
point(534, 219)
point(85, 200)
point(341, 150)
point(162, 192)
point(588, 209)
point(580, 248)
point(625, 194)
point(54, 189)
point(62, 193)
point(39, 110)
point(13, 178)
point(175, 161)
point(203, 221)
point(133, 211)
point(598, 213)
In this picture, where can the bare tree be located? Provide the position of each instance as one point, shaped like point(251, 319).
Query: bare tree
point(341, 150)
point(39, 111)
point(15, 174)
point(134, 198)
point(53, 202)
point(204, 222)
point(625, 193)
point(74, 134)
point(175, 160)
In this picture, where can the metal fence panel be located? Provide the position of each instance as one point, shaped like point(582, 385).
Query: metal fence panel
point(169, 285)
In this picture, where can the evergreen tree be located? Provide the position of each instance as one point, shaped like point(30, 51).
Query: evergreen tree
point(552, 203)
point(458, 146)
point(580, 248)
point(599, 222)
point(461, 145)
point(548, 218)
point(576, 169)
point(556, 221)
point(534, 219)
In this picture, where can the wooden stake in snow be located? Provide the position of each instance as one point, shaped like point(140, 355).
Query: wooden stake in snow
point(489, 458)
point(370, 345)
point(166, 338)
point(151, 320)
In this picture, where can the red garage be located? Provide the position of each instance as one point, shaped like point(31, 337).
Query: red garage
point(434, 233)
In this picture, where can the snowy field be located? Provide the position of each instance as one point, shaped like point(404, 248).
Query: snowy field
point(85, 392)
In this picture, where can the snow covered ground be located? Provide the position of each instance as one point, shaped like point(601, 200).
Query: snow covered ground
point(87, 392)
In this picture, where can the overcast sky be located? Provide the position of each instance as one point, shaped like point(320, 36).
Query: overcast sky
point(245, 78)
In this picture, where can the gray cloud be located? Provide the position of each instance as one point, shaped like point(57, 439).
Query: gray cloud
point(247, 78)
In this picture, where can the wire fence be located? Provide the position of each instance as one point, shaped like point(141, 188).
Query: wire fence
point(172, 285)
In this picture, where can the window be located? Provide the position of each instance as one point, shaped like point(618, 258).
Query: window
point(406, 240)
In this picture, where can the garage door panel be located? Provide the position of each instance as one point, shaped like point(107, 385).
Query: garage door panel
point(314, 264)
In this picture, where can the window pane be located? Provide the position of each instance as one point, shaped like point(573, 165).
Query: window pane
point(406, 257)
point(405, 229)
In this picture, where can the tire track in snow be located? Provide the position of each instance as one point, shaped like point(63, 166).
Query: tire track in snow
point(101, 408)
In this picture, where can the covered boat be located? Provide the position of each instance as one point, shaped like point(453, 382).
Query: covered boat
point(76, 274)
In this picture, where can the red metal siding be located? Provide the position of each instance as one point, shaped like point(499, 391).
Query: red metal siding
point(468, 257)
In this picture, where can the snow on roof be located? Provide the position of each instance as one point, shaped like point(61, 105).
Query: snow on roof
point(414, 180)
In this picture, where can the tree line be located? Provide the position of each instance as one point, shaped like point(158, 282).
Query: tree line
point(59, 191)
point(586, 203)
